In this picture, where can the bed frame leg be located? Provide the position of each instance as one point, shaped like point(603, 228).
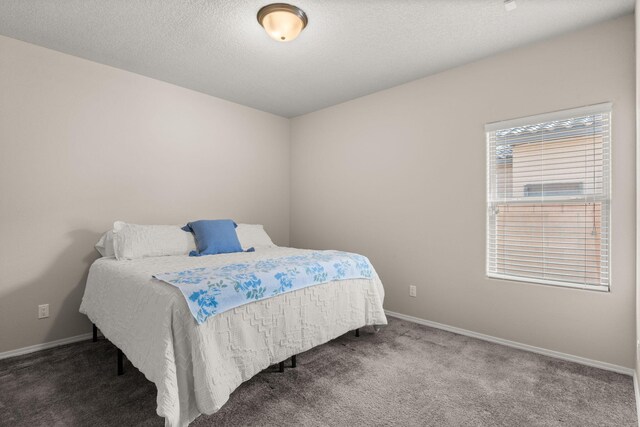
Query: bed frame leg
point(281, 365)
point(357, 332)
point(120, 362)
point(95, 333)
point(294, 362)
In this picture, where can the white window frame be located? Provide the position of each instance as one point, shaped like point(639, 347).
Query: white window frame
point(603, 108)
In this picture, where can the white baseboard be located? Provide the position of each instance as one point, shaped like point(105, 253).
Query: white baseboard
point(44, 346)
point(460, 331)
point(521, 346)
point(637, 393)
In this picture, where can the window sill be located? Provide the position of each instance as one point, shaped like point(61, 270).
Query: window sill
point(598, 288)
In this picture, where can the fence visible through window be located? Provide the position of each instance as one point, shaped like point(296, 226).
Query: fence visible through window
point(548, 198)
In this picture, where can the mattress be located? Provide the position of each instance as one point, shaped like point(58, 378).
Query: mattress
point(196, 367)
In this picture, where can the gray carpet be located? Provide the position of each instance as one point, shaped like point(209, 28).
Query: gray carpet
point(406, 375)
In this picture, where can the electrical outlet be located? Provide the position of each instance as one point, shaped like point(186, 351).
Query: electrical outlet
point(43, 311)
point(412, 291)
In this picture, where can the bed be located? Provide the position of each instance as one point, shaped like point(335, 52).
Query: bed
point(195, 367)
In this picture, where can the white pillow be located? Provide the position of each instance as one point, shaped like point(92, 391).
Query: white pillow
point(253, 235)
point(132, 241)
point(105, 244)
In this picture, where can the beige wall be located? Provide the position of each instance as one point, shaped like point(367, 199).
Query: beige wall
point(393, 175)
point(637, 366)
point(83, 144)
point(400, 176)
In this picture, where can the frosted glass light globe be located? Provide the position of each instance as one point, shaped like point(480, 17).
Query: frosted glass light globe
point(283, 22)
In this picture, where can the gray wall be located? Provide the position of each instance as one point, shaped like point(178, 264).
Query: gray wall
point(400, 177)
point(83, 144)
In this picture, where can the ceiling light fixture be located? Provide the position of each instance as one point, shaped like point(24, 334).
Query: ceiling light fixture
point(283, 22)
point(510, 5)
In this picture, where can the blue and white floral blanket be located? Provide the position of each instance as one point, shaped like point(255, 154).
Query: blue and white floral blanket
point(213, 290)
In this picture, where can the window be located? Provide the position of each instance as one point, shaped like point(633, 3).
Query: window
point(548, 180)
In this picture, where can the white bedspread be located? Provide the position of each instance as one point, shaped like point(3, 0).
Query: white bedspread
point(196, 367)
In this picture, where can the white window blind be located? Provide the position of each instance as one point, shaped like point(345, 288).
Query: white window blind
point(548, 198)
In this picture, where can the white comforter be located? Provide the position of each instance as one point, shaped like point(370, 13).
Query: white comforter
point(196, 367)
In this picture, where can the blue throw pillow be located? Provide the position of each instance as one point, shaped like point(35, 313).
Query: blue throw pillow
point(216, 236)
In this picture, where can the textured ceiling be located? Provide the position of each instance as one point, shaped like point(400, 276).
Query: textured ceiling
point(350, 47)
